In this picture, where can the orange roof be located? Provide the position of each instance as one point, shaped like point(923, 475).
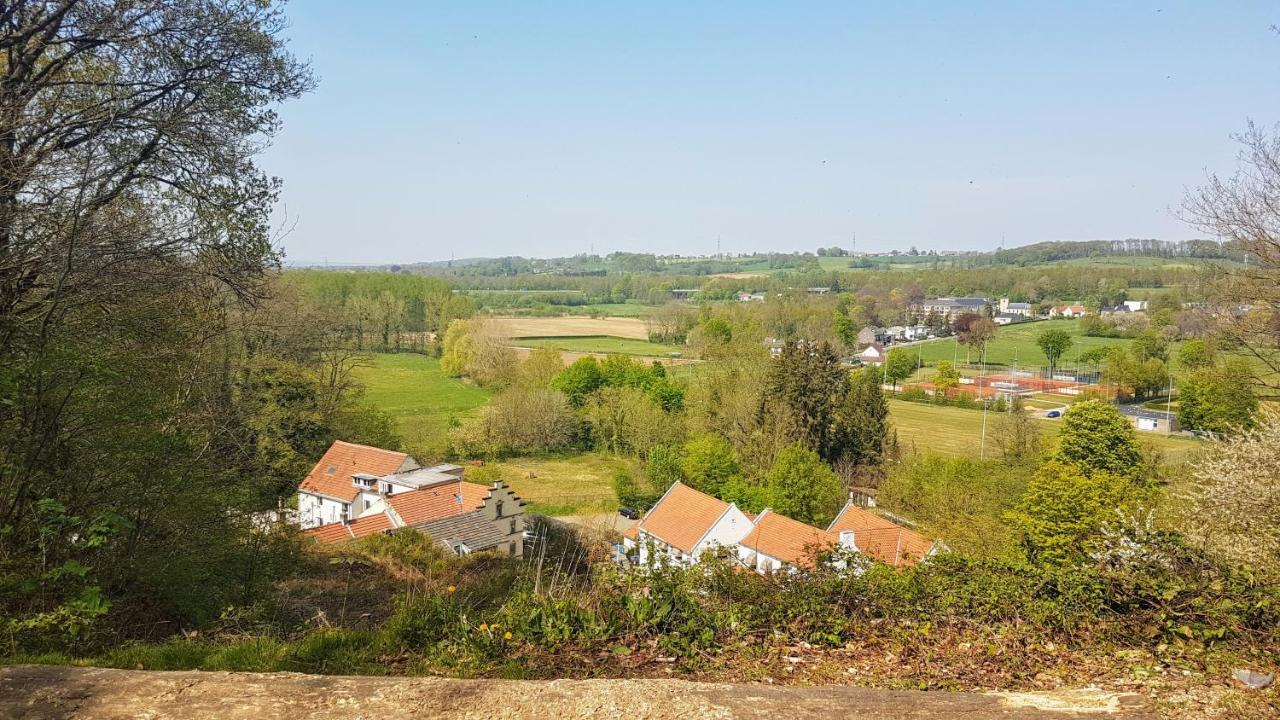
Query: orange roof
point(632, 532)
point(683, 516)
point(852, 517)
point(332, 475)
point(881, 538)
point(790, 541)
point(437, 501)
point(358, 528)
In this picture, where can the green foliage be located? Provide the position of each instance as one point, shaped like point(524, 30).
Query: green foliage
point(1217, 399)
point(802, 392)
point(1054, 344)
point(863, 420)
point(1064, 509)
point(639, 493)
point(804, 488)
point(961, 500)
point(1196, 353)
point(708, 462)
point(899, 364)
point(946, 376)
point(458, 349)
point(1150, 344)
point(1095, 437)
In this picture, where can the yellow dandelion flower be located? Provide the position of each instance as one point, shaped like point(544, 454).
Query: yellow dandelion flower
point(484, 627)
point(452, 588)
point(506, 635)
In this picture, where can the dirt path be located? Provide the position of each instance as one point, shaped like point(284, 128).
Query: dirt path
point(66, 693)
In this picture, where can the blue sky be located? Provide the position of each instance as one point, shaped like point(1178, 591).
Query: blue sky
point(545, 129)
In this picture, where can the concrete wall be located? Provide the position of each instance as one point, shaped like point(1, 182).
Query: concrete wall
point(314, 510)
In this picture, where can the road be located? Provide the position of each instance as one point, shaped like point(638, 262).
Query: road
point(67, 693)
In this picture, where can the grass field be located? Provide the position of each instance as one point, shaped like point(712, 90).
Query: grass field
point(1015, 343)
point(569, 485)
point(958, 432)
point(570, 325)
point(421, 398)
point(602, 344)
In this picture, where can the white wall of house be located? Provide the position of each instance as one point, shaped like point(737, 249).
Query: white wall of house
point(758, 561)
point(727, 532)
point(316, 510)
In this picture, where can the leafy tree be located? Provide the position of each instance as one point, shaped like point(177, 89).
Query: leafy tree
point(899, 364)
point(579, 380)
point(520, 421)
point(804, 488)
point(640, 493)
point(1095, 437)
point(1063, 510)
point(1150, 344)
point(663, 466)
point(1196, 353)
point(1217, 399)
point(974, 331)
point(1054, 343)
point(541, 367)
point(708, 462)
point(946, 376)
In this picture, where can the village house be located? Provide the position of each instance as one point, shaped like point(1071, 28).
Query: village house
point(1008, 318)
point(872, 354)
point(684, 524)
point(869, 334)
point(777, 542)
point(880, 538)
point(1070, 310)
point(744, 296)
point(483, 517)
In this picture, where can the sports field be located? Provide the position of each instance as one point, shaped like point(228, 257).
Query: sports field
point(958, 432)
point(1014, 344)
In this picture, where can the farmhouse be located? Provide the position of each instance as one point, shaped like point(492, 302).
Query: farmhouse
point(684, 524)
point(1007, 318)
point(879, 537)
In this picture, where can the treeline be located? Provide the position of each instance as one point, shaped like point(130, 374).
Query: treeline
point(384, 311)
point(1047, 252)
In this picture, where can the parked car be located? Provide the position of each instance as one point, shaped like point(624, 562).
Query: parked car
point(1056, 412)
point(629, 513)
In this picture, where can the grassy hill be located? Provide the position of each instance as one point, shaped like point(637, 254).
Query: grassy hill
point(1015, 343)
point(420, 397)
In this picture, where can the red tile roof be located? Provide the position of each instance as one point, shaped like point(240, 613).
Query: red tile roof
point(437, 501)
point(358, 528)
point(683, 516)
point(881, 538)
point(332, 475)
point(790, 541)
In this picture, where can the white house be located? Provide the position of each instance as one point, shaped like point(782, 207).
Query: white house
point(879, 537)
point(873, 354)
point(1071, 310)
point(684, 524)
point(1136, 305)
point(350, 480)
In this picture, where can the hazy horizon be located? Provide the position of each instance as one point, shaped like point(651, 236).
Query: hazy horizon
point(492, 131)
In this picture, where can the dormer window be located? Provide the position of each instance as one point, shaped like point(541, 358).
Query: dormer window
point(362, 482)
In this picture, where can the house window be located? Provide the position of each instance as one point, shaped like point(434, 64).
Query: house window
point(512, 531)
point(362, 482)
point(499, 506)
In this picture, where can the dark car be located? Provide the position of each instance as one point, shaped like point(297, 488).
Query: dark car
point(1053, 413)
point(629, 513)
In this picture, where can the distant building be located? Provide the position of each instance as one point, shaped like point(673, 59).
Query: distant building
point(882, 539)
point(684, 524)
point(868, 335)
point(745, 296)
point(948, 306)
point(1149, 420)
point(1007, 318)
point(683, 293)
point(873, 354)
point(1071, 310)
point(1136, 305)
point(1014, 308)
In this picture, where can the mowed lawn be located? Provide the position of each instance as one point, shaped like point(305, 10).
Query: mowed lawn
point(421, 398)
point(958, 432)
point(567, 485)
point(602, 344)
point(1016, 342)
